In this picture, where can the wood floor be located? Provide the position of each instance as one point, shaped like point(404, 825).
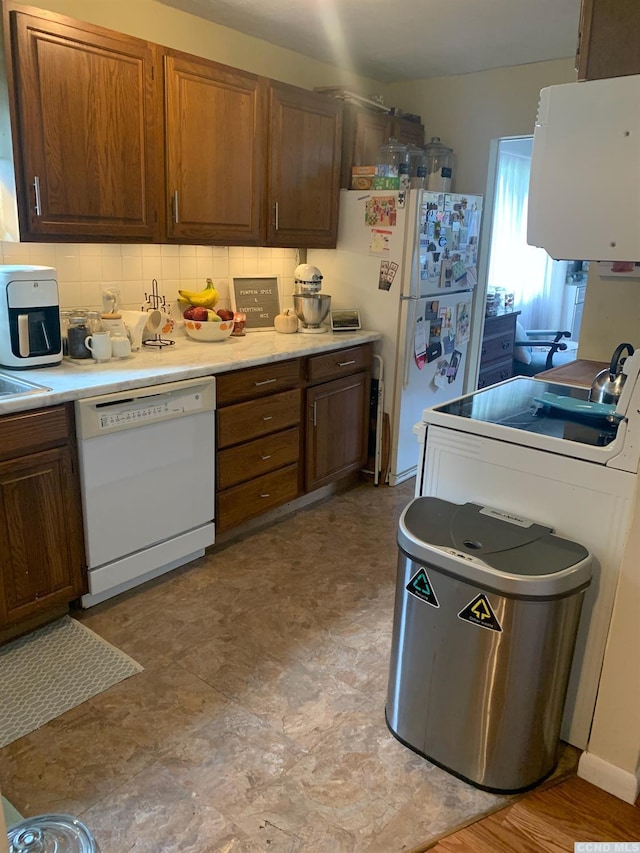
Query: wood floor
point(549, 821)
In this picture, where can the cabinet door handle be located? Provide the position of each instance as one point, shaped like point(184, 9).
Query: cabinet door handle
point(264, 382)
point(277, 217)
point(36, 190)
point(176, 215)
point(313, 414)
point(264, 458)
point(265, 495)
point(346, 363)
point(267, 417)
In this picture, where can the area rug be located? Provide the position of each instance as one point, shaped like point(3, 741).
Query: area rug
point(53, 669)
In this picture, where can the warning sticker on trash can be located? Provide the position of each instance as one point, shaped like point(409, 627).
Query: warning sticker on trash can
point(420, 586)
point(479, 612)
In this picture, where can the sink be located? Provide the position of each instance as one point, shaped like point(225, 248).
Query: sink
point(10, 386)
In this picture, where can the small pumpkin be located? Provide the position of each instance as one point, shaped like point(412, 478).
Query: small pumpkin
point(286, 323)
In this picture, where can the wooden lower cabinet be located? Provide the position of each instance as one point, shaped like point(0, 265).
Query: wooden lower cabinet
point(258, 440)
point(42, 565)
point(250, 499)
point(337, 423)
point(269, 454)
point(337, 414)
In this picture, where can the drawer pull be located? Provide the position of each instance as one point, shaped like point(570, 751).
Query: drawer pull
point(346, 363)
point(265, 495)
point(506, 344)
point(267, 417)
point(264, 458)
point(265, 382)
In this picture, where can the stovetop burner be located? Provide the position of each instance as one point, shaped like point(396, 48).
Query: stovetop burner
point(513, 404)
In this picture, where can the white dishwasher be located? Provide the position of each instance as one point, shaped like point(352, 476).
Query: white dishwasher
point(147, 473)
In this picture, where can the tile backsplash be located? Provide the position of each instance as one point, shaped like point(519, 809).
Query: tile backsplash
point(85, 269)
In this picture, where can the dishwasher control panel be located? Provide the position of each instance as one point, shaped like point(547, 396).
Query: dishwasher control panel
point(108, 413)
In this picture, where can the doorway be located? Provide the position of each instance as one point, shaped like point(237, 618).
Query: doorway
point(547, 294)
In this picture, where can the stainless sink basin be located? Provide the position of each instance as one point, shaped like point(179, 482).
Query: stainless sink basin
point(10, 386)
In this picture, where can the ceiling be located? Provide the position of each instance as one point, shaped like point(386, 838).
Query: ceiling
point(393, 40)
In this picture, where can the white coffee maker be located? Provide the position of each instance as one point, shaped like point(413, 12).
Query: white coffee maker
point(30, 333)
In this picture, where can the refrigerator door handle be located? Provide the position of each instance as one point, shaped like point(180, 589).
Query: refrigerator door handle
point(411, 326)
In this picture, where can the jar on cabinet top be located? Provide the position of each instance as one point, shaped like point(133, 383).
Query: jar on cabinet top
point(440, 163)
point(390, 158)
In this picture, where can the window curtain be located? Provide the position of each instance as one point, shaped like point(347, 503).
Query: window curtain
point(526, 271)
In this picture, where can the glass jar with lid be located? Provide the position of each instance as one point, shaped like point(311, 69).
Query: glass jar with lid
point(390, 158)
point(440, 162)
point(78, 324)
point(417, 167)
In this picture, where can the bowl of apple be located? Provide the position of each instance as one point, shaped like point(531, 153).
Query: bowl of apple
point(205, 324)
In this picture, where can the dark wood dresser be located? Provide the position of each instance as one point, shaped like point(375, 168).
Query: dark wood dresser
point(496, 353)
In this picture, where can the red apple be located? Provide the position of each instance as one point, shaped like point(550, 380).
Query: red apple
point(196, 312)
point(224, 314)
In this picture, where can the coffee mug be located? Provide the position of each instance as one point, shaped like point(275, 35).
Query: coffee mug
point(99, 344)
point(120, 346)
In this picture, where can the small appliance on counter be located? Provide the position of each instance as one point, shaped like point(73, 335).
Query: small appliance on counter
point(310, 306)
point(29, 317)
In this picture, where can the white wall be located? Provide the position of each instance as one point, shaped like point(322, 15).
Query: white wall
point(467, 111)
point(151, 20)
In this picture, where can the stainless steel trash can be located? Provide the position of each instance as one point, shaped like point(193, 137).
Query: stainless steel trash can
point(486, 614)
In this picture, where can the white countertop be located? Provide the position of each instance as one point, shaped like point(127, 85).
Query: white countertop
point(186, 359)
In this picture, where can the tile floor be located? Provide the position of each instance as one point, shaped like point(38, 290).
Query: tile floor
point(258, 723)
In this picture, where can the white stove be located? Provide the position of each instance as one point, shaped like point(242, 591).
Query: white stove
point(537, 449)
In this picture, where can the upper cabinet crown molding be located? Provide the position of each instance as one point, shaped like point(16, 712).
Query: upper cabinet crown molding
point(119, 139)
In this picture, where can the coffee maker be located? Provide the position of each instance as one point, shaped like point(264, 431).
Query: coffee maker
point(29, 317)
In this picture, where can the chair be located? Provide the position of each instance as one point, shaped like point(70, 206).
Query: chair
point(535, 349)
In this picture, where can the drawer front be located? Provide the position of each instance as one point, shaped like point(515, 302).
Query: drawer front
point(256, 381)
point(256, 418)
point(255, 458)
point(498, 372)
point(251, 499)
point(500, 325)
point(498, 348)
point(342, 362)
point(30, 432)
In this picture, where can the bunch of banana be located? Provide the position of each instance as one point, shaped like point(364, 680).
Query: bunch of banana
point(206, 298)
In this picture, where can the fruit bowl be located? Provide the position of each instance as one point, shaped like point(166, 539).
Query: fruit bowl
point(208, 331)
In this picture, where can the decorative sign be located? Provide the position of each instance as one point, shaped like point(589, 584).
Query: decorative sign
point(420, 586)
point(479, 612)
point(256, 296)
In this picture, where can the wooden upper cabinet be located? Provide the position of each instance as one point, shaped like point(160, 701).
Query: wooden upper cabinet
point(86, 129)
point(305, 138)
point(214, 117)
point(609, 39)
point(365, 131)
point(407, 132)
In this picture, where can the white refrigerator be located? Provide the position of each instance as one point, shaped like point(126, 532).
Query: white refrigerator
point(408, 262)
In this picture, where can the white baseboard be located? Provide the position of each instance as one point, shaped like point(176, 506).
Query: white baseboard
point(614, 780)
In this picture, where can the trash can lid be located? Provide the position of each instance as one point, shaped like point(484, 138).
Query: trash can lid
point(501, 551)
